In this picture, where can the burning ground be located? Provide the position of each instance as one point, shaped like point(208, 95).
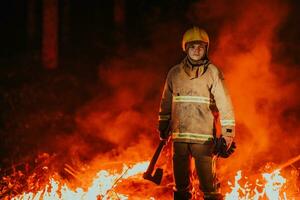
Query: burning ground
point(88, 120)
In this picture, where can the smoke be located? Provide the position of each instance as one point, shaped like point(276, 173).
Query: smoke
point(260, 82)
point(245, 45)
point(117, 122)
point(121, 115)
point(124, 113)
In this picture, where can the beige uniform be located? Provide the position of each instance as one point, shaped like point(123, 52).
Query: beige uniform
point(189, 99)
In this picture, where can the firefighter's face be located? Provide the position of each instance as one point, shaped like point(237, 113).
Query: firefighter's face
point(196, 51)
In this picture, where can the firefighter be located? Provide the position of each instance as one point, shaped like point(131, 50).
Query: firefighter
point(194, 95)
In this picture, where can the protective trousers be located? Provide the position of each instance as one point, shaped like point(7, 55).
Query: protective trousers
point(205, 167)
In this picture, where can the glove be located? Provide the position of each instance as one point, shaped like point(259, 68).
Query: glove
point(163, 135)
point(221, 148)
point(229, 151)
point(164, 129)
point(228, 140)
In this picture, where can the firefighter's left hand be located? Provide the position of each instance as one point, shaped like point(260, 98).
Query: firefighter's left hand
point(223, 148)
point(228, 140)
point(229, 151)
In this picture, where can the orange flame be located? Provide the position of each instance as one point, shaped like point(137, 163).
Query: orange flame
point(272, 189)
point(102, 186)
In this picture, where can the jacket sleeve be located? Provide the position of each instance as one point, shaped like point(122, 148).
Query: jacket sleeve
point(224, 105)
point(164, 115)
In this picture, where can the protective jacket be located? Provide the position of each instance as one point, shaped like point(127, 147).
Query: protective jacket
point(190, 98)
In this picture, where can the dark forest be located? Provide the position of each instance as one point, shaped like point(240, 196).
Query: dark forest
point(81, 81)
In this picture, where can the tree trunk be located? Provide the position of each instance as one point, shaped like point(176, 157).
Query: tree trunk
point(119, 19)
point(50, 34)
point(65, 22)
point(119, 15)
point(31, 20)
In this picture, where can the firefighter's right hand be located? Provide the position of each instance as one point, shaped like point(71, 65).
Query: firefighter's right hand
point(163, 135)
point(163, 128)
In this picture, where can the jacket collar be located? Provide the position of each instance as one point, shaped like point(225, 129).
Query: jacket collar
point(194, 70)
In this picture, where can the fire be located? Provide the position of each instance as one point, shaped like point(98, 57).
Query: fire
point(123, 183)
point(274, 183)
point(271, 188)
point(102, 187)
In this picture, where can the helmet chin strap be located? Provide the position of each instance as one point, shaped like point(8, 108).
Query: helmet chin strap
point(195, 63)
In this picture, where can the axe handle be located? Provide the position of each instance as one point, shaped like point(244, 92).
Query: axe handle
point(155, 157)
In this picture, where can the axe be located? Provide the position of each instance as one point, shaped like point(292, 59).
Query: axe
point(156, 178)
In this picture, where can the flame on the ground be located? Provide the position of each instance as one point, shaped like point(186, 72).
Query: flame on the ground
point(106, 186)
point(102, 186)
point(271, 187)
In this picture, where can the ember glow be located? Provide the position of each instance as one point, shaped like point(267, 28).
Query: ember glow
point(102, 186)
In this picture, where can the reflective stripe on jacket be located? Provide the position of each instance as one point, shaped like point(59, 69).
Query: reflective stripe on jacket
point(188, 102)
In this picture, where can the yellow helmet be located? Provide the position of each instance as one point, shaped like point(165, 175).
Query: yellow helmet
point(194, 34)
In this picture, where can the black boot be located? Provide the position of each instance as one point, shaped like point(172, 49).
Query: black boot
point(182, 195)
point(214, 196)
